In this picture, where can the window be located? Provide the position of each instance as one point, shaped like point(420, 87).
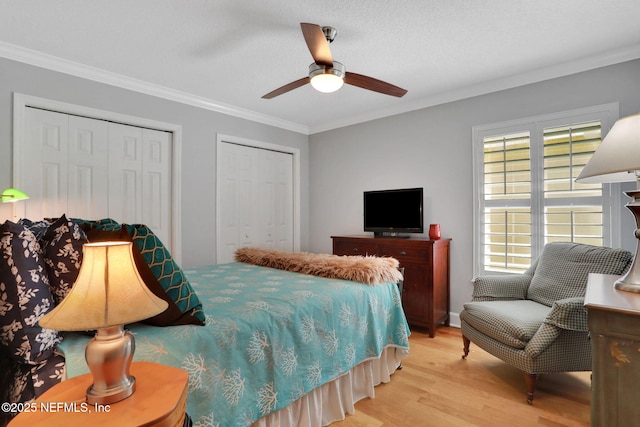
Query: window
point(525, 189)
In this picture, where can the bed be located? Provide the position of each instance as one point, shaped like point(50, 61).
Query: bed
point(277, 348)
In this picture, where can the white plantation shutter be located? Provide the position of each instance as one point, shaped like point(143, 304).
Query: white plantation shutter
point(573, 212)
point(525, 189)
point(507, 192)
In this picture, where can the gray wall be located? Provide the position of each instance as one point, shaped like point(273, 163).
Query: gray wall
point(431, 148)
point(199, 130)
point(428, 148)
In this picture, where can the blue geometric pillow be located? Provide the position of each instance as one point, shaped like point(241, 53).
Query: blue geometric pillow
point(166, 270)
point(24, 296)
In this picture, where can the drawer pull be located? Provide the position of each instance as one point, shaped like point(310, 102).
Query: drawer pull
point(403, 252)
point(356, 250)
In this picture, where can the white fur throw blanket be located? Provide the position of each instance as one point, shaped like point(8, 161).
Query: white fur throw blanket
point(370, 269)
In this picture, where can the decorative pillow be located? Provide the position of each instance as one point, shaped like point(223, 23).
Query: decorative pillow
point(62, 249)
point(24, 296)
point(172, 315)
point(39, 228)
point(101, 224)
point(21, 382)
point(167, 272)
point(371, 270)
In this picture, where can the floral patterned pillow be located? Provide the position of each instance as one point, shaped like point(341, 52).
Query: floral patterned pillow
point(24, 296)
point(39, 228)
point(62, 248)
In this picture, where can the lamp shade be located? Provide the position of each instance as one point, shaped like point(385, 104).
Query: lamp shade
point(618, 156)
point(12, 195)
point(108, 291)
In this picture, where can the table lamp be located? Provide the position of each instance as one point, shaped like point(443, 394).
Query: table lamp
point(107, 294)
point(12, 195)
point(617, 159)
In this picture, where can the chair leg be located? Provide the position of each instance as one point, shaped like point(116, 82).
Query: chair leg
point(466, 341)
point(530, 380)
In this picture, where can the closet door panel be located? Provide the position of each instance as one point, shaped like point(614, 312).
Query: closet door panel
point(156, 183)
point(268, 199)
point(284, 201)
point(256, 199)
point(43, 163)
point(88, 178)
point(125, 173)
point(239, 200)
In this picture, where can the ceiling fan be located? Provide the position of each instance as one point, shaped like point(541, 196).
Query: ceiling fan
point(327, 75)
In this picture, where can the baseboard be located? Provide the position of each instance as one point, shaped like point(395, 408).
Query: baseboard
point(454, 320)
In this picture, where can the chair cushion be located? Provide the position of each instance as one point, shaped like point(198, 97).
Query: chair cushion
point(563, 269)
point(513, 323)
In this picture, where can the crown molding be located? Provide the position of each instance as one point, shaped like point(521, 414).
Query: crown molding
point(534, 76)
point(50, 62)
point(54, 63)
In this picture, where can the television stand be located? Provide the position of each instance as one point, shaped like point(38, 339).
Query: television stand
point(390, 235)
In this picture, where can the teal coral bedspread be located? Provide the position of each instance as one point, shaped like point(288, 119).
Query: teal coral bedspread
point(271, 336)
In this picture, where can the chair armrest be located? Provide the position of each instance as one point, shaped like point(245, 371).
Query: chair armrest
point(568, 314)
point(501, 287)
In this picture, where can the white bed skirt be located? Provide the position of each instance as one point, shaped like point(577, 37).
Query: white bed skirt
point(332, 401)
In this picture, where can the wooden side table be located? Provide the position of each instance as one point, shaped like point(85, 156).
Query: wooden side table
point(614, 325)
point(160, 400)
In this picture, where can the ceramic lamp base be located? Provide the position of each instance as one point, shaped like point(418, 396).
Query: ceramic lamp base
point(630, 282)
point(109, 355)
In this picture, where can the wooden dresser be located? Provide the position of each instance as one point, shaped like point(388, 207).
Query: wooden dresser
point(614, 325)
point(425, 296)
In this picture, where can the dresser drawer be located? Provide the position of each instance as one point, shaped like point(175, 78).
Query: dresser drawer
point(351, 247)
point(399, 251)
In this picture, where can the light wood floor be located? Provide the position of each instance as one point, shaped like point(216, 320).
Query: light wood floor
point(436, 387)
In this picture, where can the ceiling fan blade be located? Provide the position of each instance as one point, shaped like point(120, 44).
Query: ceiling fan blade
point(317, 44)
point(375, 85)
point(286, 88)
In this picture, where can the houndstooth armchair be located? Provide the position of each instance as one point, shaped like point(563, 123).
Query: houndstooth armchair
point(536, 321)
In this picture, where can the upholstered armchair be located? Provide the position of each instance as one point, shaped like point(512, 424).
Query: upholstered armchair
point(536, 321)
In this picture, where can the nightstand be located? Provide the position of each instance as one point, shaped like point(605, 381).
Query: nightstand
point(614, 325)
point(160, 400)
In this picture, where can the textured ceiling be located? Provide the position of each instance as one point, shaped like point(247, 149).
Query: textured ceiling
point(228, 53)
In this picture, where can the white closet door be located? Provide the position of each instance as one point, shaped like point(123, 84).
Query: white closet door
point(64, 168)
point(256, 200)
point(43, 162)
point(125, 173)
point(156, 183)
point(140, 178)
point(94, 168)
point(238, 199)
point(87, 172)
point(276, 182)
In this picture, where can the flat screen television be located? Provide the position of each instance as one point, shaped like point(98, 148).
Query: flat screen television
point(389, 213)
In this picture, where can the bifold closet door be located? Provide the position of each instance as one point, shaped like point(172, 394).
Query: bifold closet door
point(62, 166)
point(90, 168)
point(276, 191)
point(256, 199)
point(140, 177)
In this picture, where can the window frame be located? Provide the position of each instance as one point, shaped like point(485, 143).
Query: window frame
point(606, 114)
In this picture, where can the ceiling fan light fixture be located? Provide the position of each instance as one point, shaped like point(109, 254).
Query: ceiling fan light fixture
point(327, 79)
